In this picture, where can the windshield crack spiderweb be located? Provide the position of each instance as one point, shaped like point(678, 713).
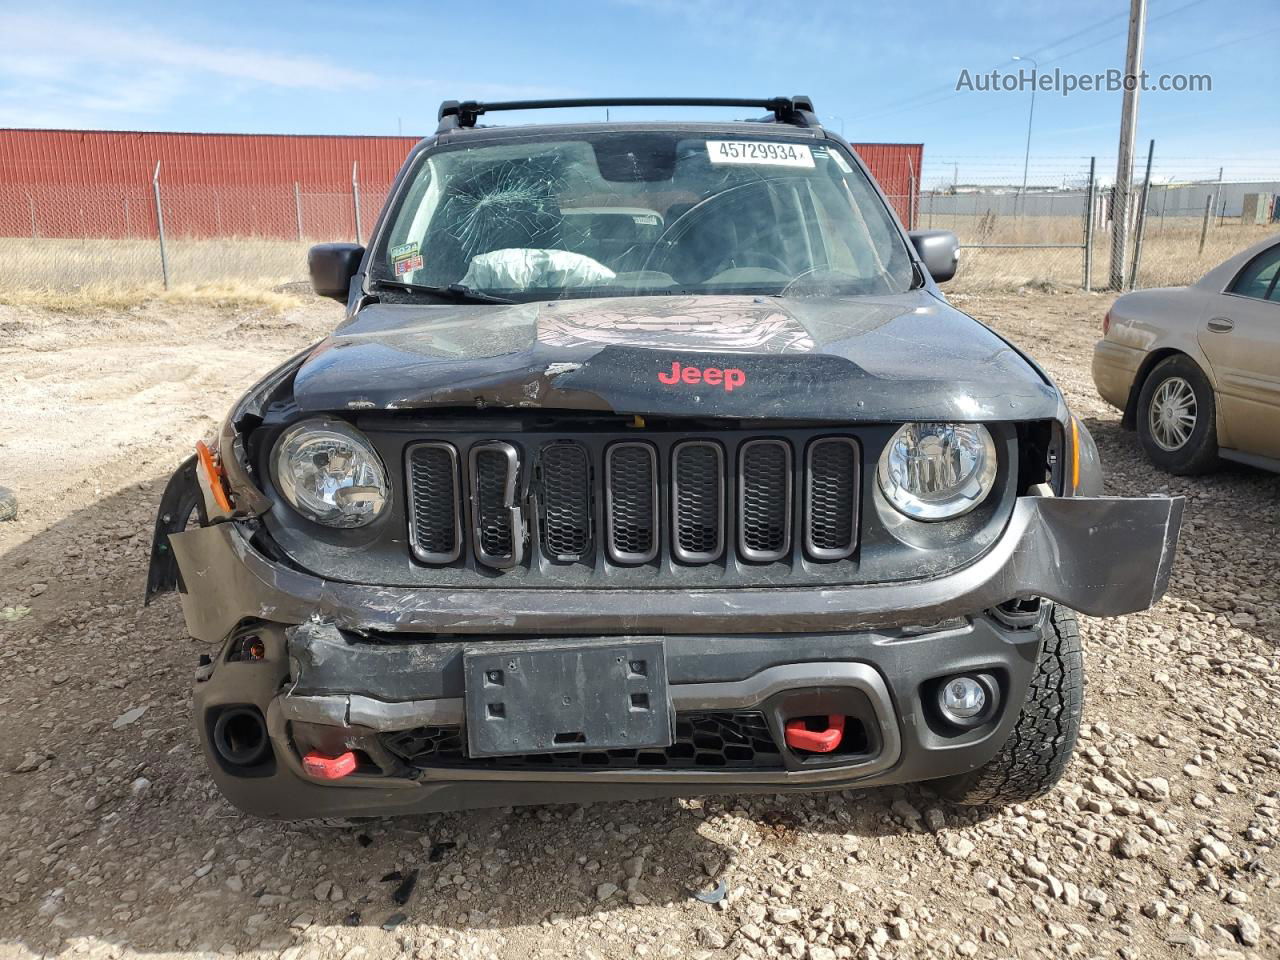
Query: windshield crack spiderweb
point(510, 204)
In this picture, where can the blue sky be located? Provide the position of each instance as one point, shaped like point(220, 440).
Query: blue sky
point(882, 72)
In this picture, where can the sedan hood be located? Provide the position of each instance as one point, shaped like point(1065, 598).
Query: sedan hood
point(909, 356)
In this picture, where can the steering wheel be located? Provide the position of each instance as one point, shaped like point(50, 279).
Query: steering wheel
point(663, 246)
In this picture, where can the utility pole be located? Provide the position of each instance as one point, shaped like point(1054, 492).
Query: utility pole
point(1128, 130)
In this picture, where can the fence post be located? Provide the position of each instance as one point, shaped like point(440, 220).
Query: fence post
point(1088, 227)
point(1204, 227)
point(164, 255)
point(355, 194)
point(912, 212)
point(1217, 191)
point(1142, 219)
point(297, 207)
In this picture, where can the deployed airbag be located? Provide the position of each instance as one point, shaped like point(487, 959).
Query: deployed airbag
point(523, 268)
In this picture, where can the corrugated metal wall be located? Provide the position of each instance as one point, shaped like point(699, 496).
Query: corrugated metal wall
point(91, 183)
point(897, 168)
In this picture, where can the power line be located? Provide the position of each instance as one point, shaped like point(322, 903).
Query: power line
point(1121, 33)
point(912, 100)
point(1078, 33)
point(1219, 46)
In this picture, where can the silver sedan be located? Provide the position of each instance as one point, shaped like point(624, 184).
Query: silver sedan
point(1196, 369)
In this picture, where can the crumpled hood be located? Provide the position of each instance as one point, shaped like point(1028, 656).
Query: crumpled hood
point(908, 356)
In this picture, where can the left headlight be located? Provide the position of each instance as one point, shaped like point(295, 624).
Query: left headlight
point(937, 471)
point(329, 473)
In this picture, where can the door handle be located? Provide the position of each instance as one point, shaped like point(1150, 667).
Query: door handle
point(1221, 324)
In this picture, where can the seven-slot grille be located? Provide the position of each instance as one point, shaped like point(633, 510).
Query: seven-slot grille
point(634, 501)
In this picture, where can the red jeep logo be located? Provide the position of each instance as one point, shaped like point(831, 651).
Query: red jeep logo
point(728, 378)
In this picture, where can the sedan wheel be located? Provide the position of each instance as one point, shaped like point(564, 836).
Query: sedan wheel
point(1177, 418)
point(1173, 414)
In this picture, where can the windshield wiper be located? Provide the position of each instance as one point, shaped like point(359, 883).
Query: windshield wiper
point(454, 292)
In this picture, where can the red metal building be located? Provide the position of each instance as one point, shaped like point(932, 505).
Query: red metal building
point(95, 183)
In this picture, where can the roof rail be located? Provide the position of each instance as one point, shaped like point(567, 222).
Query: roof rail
point(797, 111)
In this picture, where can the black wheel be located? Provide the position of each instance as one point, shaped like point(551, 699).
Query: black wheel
point(1035, 755)
point(1176, 417)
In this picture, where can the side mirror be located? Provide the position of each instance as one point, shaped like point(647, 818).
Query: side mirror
point(332, 265)
point(938, 251)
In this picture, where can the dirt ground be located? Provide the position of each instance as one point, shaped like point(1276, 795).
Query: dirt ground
point(1161, 841)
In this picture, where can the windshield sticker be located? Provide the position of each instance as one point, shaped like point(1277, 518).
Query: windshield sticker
point(406, 258)
point(406, 251)
point(760, 153)
point(408, 266)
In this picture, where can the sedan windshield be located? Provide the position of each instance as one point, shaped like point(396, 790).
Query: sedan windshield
point(622, 213)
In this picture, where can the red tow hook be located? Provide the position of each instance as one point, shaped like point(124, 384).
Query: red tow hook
point(329, 768)
point(800, 737)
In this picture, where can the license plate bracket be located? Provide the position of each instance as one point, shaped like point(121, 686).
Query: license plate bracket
point(566, 696)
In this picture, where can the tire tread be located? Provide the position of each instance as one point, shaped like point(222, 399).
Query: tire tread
point(1038, 750)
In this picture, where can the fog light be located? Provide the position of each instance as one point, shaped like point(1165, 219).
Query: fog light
point(962, 700)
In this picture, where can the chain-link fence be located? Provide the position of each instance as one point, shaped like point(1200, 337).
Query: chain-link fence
point(1061, 231)
point(1013, 237)
point(60, 237)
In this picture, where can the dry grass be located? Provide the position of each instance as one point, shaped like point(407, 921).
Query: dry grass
point(1170, 251)
point(75, 274)
point(121, 296)
point(68, 264)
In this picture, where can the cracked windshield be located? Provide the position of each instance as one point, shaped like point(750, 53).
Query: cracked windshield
point(619, 214)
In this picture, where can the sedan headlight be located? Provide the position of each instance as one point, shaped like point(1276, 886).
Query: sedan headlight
point(329, 473)
point(936, 471)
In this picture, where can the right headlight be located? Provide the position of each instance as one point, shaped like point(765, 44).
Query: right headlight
point(937, 471)
point(330, 473)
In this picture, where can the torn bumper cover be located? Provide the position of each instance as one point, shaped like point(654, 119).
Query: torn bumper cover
point(330, 681)
point(1102, 556)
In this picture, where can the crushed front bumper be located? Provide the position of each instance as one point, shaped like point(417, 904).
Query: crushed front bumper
point(347, 665)
point(320, 688)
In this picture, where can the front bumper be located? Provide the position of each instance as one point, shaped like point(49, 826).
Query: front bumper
point(347, 663)
point(320, 687)
point(1102, 556)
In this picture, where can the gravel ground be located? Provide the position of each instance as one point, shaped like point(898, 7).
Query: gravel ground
point(1161, 841)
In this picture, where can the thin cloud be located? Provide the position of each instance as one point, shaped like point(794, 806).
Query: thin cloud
point(73, 73)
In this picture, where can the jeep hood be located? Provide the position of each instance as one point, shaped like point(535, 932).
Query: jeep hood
point(909, 356)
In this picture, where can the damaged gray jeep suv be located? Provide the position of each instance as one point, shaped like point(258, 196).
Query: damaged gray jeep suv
point(648, 460)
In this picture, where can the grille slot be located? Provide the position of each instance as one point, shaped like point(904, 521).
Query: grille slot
point(435, 508)
point(697, 501)
point(566, 501)
point(831, 498)
point(631, 502)
point(764, 500)
point(497, 532)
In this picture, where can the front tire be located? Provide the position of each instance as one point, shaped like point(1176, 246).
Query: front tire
point(1034, 757)
point(1177, 418)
